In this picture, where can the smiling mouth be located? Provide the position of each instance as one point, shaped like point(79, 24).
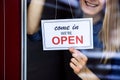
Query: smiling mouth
point(90, 4)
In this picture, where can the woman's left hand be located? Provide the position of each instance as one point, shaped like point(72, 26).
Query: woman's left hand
point(79, 60)
point(78, 64)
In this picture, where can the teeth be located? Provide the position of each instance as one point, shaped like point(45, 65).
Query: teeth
point(89, 4)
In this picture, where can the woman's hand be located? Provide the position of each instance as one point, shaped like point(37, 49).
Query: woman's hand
point(78, 64)
point(78, 61)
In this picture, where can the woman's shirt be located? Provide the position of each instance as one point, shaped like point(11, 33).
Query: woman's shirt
point(36, 36)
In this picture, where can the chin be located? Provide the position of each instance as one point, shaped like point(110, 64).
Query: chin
point(90, 13)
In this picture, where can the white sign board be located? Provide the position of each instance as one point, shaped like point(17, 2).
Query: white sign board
point(65, 33)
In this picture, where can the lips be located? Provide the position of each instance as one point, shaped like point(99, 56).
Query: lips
point(90, 4)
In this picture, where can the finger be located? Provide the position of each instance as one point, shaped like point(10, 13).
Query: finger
point(75, 68)
point(83, 57)
point(78, 64)
point(79, 56)
point(74, 61)
point(73, 50)
point(75, 53)
point(80, 61)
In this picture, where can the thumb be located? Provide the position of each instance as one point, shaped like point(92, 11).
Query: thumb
point(73, 50)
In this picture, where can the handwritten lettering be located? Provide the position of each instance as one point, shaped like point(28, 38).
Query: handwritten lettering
point(75, 27)
point(62, 28)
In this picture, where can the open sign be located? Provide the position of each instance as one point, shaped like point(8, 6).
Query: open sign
point(56, 40)
point(64, 33)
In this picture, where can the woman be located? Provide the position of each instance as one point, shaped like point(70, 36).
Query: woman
point(105, 42)
point(90, 8)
